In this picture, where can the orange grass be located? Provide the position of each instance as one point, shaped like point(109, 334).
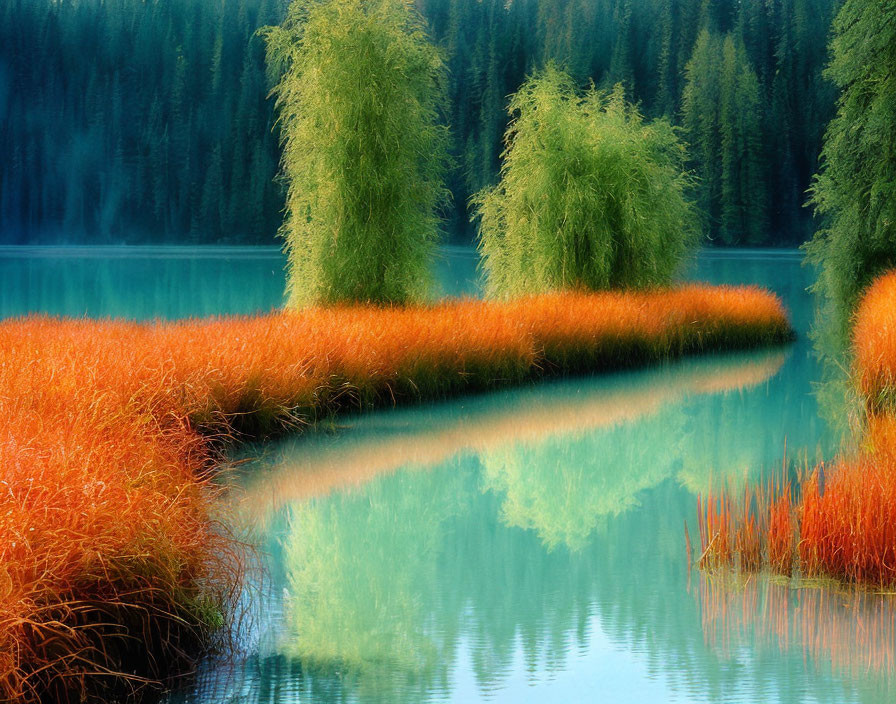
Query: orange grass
point(874, 344)
point(749, 528)
point(113, 571)
point(844, 524)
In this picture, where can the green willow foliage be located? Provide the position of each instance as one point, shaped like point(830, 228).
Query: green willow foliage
point(590, 195)
point(359, 96)
point(856, 187)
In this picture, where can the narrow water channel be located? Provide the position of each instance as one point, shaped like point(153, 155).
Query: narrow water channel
point(528, 545)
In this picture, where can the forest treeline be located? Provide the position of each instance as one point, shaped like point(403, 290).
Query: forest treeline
point(149, 120)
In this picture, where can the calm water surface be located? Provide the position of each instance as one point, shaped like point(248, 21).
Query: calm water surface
point(165, 282)
point(524, 546)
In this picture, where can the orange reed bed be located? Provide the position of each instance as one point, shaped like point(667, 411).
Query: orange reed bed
point(114, 573)
point(843, 525)
point(874, 345)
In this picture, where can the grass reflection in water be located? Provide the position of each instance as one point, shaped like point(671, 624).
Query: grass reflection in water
point(392, 576)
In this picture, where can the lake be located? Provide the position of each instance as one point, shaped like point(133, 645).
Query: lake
point(167, 282)
point(523, 546)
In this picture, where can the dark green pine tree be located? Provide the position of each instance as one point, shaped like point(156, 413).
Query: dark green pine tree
point(722, 116)
point(667, 90)
point(742, 211)
point(621, 67)
point(700, 119)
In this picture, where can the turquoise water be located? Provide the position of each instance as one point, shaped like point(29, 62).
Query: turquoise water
point(165, 282)
point(523, 546)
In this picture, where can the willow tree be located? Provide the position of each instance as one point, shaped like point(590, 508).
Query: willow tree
point(359, 94)
point(590, 195)
point(855, 190)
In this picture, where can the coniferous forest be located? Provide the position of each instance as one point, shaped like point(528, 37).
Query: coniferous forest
point(136, 121)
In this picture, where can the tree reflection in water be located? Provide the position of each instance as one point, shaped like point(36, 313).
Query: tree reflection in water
point(492, 544)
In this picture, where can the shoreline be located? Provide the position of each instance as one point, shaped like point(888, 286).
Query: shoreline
point(120, 425)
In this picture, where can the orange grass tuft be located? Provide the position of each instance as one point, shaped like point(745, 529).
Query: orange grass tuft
point(748, 529)
point(780, 531)
point(715, 528)
point(874, 343)
point(845, 518)
point(112, 569)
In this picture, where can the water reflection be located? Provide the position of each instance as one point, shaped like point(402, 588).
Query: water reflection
point(555, 414)
point(528, 546)
point(847, 632)
point(526, 542)
point(556, 459)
